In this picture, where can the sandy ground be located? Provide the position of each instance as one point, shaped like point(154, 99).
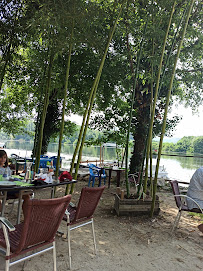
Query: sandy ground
point(125, 243)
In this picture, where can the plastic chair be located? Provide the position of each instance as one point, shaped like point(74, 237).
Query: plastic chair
point(181, 203)
point(96, 172)
point(83, 213)
point(54, 158)
point(44, 156)
point(41, 221)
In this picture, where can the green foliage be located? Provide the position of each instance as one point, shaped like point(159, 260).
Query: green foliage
point(198, 145)
point(187, 144)
point(30, 29)
point(184, 144)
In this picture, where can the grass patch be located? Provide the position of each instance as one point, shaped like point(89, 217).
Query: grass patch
point(197, 215)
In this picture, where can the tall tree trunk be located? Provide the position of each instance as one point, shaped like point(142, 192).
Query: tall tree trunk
point(7, 57)
point(155, 98)
point(51, 121)
point(131, 110)
point(39, 114)
point(64, 101)
point(44, 111)
point(142, 121)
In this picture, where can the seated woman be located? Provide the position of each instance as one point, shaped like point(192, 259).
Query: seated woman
point(195, 190)
point(4, 169)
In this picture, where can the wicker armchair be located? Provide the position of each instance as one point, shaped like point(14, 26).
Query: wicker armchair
point(83, 213)
point(181, 203)
point(41, 221)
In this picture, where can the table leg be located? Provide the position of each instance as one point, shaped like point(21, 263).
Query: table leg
point(100, 173)
point(118, 178)
point(20, 201)
point(110, 171)
point(3, 203)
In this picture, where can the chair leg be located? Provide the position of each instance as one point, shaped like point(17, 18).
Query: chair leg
point(69, 248)
point(94, 239)
point(12, 206)
point(3, 204)
point(20, 202)
point(7, 265)
point(104, 180)
point(177, 219)
point(93, 180)
point(89, 180)
point(54, 255)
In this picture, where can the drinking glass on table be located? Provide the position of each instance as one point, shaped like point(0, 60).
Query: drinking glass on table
point(28, 171)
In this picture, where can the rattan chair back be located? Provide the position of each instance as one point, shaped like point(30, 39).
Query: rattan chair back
point(88, 202)
point(41, 220)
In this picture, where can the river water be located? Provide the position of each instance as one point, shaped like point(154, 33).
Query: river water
point(178, 168)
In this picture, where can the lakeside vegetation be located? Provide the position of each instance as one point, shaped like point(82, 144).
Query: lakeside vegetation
point(187, 144)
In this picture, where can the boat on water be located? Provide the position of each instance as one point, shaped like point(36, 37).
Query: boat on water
point(162, 173)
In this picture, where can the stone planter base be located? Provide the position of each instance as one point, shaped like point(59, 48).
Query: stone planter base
point(134, 207)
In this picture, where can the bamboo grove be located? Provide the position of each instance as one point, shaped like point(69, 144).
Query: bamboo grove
point(120, 64)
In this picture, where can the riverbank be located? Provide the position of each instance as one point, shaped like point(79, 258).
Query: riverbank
point(178, 168)
point(125, 243)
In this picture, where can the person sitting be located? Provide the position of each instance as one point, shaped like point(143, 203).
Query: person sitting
point(195, 190)
point(4, 168)
point(6, 171)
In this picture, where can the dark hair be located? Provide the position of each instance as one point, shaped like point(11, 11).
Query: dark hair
point(3, 153)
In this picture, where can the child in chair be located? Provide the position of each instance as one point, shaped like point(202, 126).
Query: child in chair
point(4, 168)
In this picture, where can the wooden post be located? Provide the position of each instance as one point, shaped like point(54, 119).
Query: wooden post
point(118, 190)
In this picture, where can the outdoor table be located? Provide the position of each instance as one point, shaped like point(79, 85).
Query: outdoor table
point(118, 174)
point(28, 189)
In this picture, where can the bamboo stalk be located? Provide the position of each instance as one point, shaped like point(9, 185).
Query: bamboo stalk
point(172, 46)
point(83, 124)
point(84, 134)
point(92, 97)
point(46, 102)
point(151, 105)
point(167, 104)
point(64, 101)
point(155, 98)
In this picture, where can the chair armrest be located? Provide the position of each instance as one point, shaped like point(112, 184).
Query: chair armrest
point(7, 223)
point(185, 196)
point(96, 168)
point(178, 182)
point(183, 182)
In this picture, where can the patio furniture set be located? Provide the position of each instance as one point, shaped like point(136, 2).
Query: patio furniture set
point(42, 219)
point(100, 174)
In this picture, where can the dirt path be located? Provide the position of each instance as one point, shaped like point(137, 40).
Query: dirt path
point(126, 243)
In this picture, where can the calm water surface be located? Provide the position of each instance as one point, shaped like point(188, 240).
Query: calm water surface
point(179, 168)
